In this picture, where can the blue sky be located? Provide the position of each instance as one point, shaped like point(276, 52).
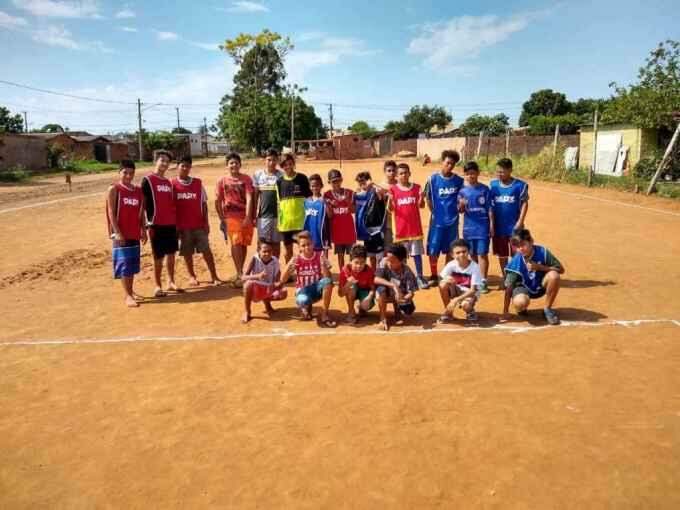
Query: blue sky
point(371, 59)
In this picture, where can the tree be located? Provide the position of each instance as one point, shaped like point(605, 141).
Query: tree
point(361, 127)
point(491, 125)
point(158, 140)
point(650, 103)
point(181, 131)
point(10, 123)
point(419, 119)
point(51, 128)
point(545, 125)
point(544, 102)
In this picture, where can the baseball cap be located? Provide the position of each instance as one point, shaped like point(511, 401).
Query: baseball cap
point(334, 175)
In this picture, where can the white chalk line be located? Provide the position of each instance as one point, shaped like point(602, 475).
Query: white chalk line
point(282, 333)
point(50, 202)
point(609, 201)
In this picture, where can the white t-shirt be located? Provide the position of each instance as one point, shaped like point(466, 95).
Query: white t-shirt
point(271, 269)
point(465, 278)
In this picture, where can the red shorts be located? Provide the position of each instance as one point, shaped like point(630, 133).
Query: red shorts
point(267, 293)
point(502, 246)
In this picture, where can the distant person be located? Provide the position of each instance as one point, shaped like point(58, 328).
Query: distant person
point(405, 203)
point(317, 216)
point(234, 206)
point(193, 225)
point(125, 220)
point(341, 206)
point(460, 282)
point(161, 219)
point(265, 202)
point(313, 280)
point(426, 160)
point(369, 214)
point(510, 202)
point(533, 272)
point(292, 188)
point(478, 220)
point(261, 281)
point(356, 283)
point(441, 195)
point(396, 284)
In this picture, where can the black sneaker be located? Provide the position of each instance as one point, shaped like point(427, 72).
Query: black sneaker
point(551, 316)
point(433, 282)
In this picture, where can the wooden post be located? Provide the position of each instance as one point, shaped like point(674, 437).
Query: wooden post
point(664, 160)
point(479, 144)
point(507, 143)
point(555, 140)
point(594, 165)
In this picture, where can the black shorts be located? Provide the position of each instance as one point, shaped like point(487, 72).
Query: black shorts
point(163, 240)
point(290, 237)
point(375, 245)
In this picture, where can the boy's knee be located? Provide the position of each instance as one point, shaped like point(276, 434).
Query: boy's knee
point(521, 302)
point(468, 305)
point(303, 300)
point(552, 276)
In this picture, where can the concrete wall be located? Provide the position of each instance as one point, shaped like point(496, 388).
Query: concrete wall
point(410, 145)
point(117, 152)
point(640, 142)
point(528, 145)
point(352, 147)
point(26, 151)
point(434, 147)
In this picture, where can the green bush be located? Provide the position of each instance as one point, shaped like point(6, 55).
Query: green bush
point(14, 174)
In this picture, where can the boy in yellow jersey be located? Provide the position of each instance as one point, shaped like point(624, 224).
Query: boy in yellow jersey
point(292, 188)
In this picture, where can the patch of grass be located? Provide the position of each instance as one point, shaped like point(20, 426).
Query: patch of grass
point(88, 167)
point(14, 174)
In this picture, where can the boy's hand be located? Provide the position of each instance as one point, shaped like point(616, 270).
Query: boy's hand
point(532, 266)
point(247, 222)
point(351, 280)
point(518, 226)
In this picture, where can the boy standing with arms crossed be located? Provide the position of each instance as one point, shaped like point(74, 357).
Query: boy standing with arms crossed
point(316, 216)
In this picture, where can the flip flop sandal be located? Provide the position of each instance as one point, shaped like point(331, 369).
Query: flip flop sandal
point(328, 323)
point(445, 319)
point(160, 293)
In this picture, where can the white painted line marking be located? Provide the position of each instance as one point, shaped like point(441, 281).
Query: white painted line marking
point(50, 202)
point(609, 201)
point(282, 333)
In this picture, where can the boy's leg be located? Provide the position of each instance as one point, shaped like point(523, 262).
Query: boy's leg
point(327, 294)
point(129, 296)
point(247, 301)
point(382, 308)
point(521, 301)
point(157, 272)
point(350, 292)
point(445, 293)
point(484, 265)
point(551, 283)
point(189, 261)
point(171, 273)
point(210, 262)
point(238, 253)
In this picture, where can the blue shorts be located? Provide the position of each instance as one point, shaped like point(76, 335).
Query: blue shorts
point(479, 246)
point(126, 259)
point(440, 239)
point(311, 293)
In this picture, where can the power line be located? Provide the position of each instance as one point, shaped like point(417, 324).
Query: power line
point(73, 96)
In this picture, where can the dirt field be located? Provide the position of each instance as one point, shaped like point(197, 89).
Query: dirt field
point(178, 405)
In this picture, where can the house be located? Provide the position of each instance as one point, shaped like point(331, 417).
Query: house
point(382, 143)
point(25, 151)
point(619, 147)
point(99, 148)
point(351, 146)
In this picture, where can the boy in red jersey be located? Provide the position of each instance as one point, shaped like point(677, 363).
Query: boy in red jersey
point(341, 207)
point(356, 283)
point(124, 206)
point(161, 219)
point(193, 226)
point(405, 203)
point(383, 189)
point(313, 279)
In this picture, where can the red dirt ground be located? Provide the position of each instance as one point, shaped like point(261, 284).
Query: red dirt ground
point(281, 414)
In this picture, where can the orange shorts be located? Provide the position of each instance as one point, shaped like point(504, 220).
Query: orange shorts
point(237, 233)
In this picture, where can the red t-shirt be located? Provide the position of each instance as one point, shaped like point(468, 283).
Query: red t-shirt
point(189, 201)
point(364, 277)
point(407, 225)
point(231, 192)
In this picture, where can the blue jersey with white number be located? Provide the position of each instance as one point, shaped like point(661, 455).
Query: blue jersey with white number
point(507, 203)
point(315, 219)
point(361, 199)
point(476, 216)
point(443, 194)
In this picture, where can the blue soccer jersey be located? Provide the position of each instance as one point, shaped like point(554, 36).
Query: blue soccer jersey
point(315, 222)
point(476, 216)
point(507, 202)
point(361, 199)
point(443, 194)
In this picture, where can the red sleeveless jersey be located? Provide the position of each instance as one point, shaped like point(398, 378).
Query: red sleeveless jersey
point(128, 209)
point(342, 223)
point(164, 212)
point(407, 225)
point(189, 203)
point(307, 271)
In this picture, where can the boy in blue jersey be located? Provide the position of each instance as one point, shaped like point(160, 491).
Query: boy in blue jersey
point(478, 224)
point(441, 194)
point(316, 217)
point(372, 237)
point(510, 202)
point(533, 272)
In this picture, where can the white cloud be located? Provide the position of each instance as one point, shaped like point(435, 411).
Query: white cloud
point(11, 22)
point(463, 37)
point(60, 8)
point(128, 29)
point(205, 46)
point(56, 36)
point(166, 36)
point(245, 6)
point(125, 13)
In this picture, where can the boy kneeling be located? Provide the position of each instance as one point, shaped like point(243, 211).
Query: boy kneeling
point(313, 279)
point(460, 282)
point(261, 281)
point(396, 284)
point(533, 272)
point(356, 283)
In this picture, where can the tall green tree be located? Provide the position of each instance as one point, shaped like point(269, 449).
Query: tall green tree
point(52, 128)
point(544, 102)
point(419, 119)
point(361, 127)
point(651, 101)
point(545, 125)
point(494, 125)
point(10, 123)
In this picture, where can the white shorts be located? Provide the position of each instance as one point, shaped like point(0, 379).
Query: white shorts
point(267, 230)
point(413, 247)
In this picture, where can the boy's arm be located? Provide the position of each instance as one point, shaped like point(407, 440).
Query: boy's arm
point(111, 206)
point(218, 203)
point(492, 223)
point(325, 267)
point(287, 272)
point(507, 298)
point(522, 214)
point(248, 270)
point(248, 220)
point(142, 222)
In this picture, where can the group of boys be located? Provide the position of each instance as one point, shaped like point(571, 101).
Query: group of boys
point(377, 226)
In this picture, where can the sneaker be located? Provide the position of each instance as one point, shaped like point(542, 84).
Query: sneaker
point(472, 317)
point(433, 282)
point(483, 288)
point(551, 316)
point(422, 283)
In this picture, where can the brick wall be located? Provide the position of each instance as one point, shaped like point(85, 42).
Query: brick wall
point(119, 151)
point(519, 145)
point(410, 145)
point(29, 152)
point(352, 147)
point(434, 147)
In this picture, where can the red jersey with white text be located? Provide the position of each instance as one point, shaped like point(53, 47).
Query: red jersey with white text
point(189, 200)
point(128, 210)
point(406, 216)
point(164, 212)
point(343, 231)
point(308, 271)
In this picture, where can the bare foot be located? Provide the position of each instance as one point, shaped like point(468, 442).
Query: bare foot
point(158, 292)
point(246, 318)
point(130, 302)
point(306, 313)
point(383, 325)
point(193, 282)
point(174, 288)
point(216, 282)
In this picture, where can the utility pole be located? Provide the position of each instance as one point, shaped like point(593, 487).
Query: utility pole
point(25, 122)
point(178, 126)
point(330, 108)
point(205, 136)
point(292, 125)
point(139, 133)
point(594, 165)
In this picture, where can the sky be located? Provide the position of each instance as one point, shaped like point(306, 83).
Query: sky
point(371, 60)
